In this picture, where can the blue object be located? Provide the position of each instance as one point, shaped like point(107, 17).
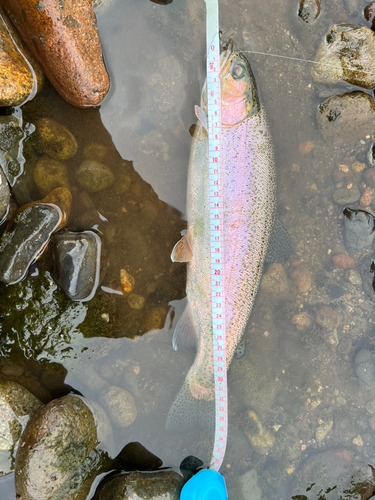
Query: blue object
point(207, 484)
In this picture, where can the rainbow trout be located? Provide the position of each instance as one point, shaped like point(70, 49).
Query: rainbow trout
point(249, 211)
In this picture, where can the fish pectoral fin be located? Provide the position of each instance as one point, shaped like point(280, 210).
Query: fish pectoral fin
point(201, 115)
point(184, 334)
point(182, 250)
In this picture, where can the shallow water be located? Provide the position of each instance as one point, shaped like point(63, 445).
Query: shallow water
point(155, 58)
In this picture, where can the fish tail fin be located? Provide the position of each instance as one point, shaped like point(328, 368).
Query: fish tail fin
point(188, 413)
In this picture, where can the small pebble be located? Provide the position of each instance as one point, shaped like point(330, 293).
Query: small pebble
point(344, 261)
point(344, 196)
point(358, 167)
point(302, 320)
point(305, 147)
point(358, 440)
point(127, 281)
point(353, 277)
point(366, 197)
point(136, 301)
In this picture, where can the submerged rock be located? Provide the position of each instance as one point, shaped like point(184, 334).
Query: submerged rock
point(368, 275)
point(11, 148)
point(32, 229)
point(369, 14)
point(50, 173)
point(261, 438)
point(94, 176)
point(332, 475)
point(58, 455)
point(20, 75)
point(78, 263)
point(55, 140)
point(364, 365)
point(359, 230)
point(120, 406)
point(4, 195)
point(343, 196)
point(17, 405)
point(162, 485)
point(309, 10)
point(347, 53)
point(64, 38)
point(346, 116)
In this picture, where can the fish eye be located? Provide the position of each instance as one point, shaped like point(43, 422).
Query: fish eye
point(238, 71)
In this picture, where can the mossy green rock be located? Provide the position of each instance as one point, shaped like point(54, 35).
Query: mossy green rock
point(347, 53)
point(48, 325)
point(55, 140)
point(17, 404)
point(50, 173)
point(58, 456)
point(252, 383)
point(94, 176)
point(163, 485)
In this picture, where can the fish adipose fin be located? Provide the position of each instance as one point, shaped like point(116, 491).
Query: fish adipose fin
point(201, 115)
point(280, 247)
point(182, 250)
point(184, 334)
point(188, 413)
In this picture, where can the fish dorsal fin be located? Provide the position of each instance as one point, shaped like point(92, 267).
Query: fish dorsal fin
point(201, 115)
point(182, 250)
point(184, 334)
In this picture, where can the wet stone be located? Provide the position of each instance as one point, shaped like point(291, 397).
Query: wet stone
point(17, 404)
point(64, 38)
point(343, 196)
point(347, 53)
point(328, 318)
point(367, 269)
point(94, 151)
point(275, 282)
point(260, 438)
point(17, 81)
point(11, 140)
point(353, 277)
point(163, 485)
point(4, 195)
point(369, 14)
point(120, 406)
point(309, 10)
point(347, 116)
point(302, 320)
point(55, 140)
point(136, 301)
point(364, 365)
point(77, 257)
point(32, 229)
point(94, 176)
point(49, 174)
point(287, 445)
point(337, 473)
point(302, 278)
point(58, 454)
point(123, 184)
point(359, 230)
point(344, 261)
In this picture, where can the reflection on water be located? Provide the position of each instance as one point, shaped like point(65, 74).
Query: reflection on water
point(294, 393)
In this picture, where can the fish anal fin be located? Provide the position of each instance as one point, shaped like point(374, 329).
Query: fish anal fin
point(182, 250)
point(201, 115)
point(184, 334)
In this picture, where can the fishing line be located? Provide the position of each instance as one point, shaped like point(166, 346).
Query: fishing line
point(308, 61)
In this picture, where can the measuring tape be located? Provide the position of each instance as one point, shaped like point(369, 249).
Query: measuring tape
point(216, 232)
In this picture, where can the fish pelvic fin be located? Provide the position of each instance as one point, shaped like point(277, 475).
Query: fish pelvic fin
point(184, 334)
point(201, 115)
point(188, 413)
point(182, 250)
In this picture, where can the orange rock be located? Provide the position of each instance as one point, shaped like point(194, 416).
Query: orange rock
point(63, 36)
point(344, 261)
point(366, 198)
point(305, 147)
